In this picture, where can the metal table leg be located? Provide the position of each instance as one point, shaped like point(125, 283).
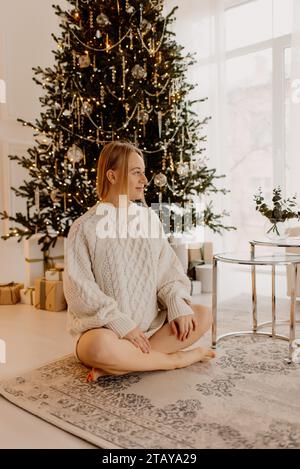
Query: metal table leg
point(254, 295)
point(273, 303)
point(214, 303)
point(292, 310)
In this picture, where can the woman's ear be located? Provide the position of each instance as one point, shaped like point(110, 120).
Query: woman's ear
point(111, 176)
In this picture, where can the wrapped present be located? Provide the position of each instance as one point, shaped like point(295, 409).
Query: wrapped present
point(55, 256)
point(27, 296)
point(204, 275)
point(54, 274)
point(10, 293)
point(49, 295)
point(194, 252)
point(34, 258)
point(196, 287)
point(181, 252)
point(207, 251)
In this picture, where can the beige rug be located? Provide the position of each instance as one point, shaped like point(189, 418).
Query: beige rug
point(247, 398)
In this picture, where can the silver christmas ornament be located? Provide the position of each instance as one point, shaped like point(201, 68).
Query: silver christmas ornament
point(75, 154)
point(102, 20)
point(183, 169)
point(160, 180)
point(98, 34)
point(84, 61)
point(42, 139)
point(86, 108)
point(138, 72)
point(67, 113)
point(130, 9)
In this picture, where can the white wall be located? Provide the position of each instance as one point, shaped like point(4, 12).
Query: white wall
point(25, 42)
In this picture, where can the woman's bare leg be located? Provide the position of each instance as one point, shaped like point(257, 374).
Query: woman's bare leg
point(102, 349)
point(165, 341)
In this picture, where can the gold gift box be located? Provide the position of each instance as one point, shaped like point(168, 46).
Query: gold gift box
point(49, 295)
point(10, 293)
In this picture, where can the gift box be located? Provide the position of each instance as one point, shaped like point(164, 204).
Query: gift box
point(54, 274)
point(196, 287)
point(27, 296)
point(194, 252)
point(207, 251)
point(55, 256)
point(49, 295)
point(10, 293)
point(204, 275)
point(34, 258)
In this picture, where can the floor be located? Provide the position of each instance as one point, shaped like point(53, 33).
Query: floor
point(34, 337)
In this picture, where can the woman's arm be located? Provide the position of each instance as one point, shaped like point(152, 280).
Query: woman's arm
point(88, 306)
point(173, 285)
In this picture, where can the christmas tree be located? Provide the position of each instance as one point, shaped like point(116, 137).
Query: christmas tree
point(118, 75)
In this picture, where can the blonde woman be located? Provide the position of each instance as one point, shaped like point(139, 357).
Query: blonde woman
point(129, 304)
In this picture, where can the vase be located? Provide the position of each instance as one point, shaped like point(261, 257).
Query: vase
point(276, 231)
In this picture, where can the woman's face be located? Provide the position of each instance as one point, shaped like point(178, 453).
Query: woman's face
point(136, 177)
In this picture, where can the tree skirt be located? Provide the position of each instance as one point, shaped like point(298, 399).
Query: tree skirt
point(247, 398)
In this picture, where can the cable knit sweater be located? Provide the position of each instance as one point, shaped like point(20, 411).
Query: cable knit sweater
point(124, 281)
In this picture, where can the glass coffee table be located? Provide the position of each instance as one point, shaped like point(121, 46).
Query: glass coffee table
point(261, 260)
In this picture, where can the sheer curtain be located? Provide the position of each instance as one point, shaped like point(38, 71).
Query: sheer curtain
point(200, 28)
point(293, 136)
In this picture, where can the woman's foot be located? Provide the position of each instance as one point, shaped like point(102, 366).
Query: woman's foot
point(96, 373)
point(189, 357)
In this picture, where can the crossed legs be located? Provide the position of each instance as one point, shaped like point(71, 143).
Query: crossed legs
point(103, 351)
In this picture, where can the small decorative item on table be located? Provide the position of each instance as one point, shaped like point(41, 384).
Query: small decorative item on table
point(27, 296)
point(49, 295)
point(281, 211)
point(10, 293)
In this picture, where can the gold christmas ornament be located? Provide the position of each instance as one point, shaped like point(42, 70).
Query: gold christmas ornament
point(86, 108)
point(138, 72)
point(84, 61)
point(143, 117)
point(160, 180)
point(146, 26)
point(55, 195)
point(102, 20)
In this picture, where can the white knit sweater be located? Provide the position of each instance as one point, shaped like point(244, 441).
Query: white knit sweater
point(122, 282)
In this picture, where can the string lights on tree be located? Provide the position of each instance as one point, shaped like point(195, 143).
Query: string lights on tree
point(118, 75)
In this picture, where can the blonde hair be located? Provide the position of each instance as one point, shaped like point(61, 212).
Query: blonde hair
point(114, 155)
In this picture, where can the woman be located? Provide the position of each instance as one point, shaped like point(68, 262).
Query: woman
point(129, 304)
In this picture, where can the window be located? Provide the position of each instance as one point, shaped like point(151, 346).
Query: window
point(258, 40)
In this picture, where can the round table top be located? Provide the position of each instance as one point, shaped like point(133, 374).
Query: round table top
point(283, 243)
point(266, 259)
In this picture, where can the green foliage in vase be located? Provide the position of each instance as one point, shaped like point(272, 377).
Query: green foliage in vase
point(282, 209)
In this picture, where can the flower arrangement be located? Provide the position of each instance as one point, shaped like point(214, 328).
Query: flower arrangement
point(282, 210)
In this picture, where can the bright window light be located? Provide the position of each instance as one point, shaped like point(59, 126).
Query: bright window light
point(2, 92)
point(257, 21)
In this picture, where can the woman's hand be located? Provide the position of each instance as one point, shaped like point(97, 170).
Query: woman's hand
point(138, 339)
point(183, 326)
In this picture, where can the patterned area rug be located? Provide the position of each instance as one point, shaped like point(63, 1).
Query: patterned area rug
point(247, 398)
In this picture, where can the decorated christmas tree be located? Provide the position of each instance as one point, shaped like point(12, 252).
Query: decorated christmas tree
point(118, 75)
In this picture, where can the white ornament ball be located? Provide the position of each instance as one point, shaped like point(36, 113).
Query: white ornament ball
point(160, 180)
point(74, 154)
